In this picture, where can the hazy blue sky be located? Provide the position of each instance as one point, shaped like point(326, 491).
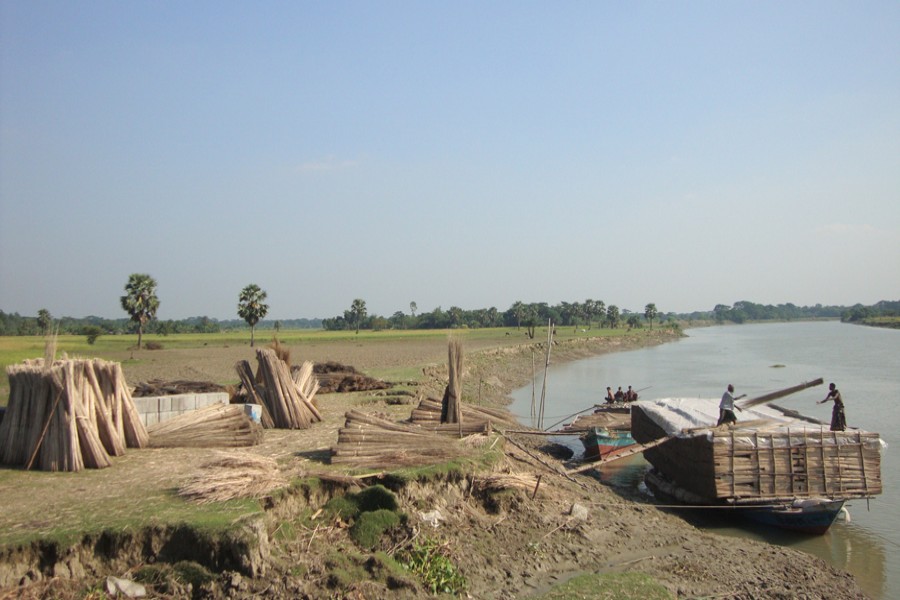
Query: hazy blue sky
point(465, 154)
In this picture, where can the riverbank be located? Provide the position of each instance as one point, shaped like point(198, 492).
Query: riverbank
point(509, 545)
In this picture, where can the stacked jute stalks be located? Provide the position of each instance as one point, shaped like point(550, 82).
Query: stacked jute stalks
point(474, 418)
point(67, 415)
point(287, 401)
point(216, 425)
point(370, 441)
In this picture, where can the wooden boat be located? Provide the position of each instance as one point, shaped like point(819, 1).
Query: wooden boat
point(600, 443)
point(810, 515)
point(774, 465)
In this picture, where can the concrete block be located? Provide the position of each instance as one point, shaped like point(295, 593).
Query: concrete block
point(151, 419)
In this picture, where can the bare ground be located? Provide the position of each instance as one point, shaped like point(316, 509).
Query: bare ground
point(507, 546)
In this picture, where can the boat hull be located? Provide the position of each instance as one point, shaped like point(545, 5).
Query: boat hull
point(812, 518)
point(600, 443)
point(811, 515)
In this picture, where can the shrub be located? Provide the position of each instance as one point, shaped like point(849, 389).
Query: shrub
point(369, 527)
point(375, 498)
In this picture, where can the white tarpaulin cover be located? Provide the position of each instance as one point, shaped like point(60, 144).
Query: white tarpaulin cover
point(683, 417)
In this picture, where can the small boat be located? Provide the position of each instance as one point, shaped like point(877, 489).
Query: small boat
point(601, 443)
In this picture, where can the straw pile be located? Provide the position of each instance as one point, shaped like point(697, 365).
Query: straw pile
point(287, 401)
point(373, 442)
point(234, 476)
point(216, 425)
point(505, 481)
point(67, 415)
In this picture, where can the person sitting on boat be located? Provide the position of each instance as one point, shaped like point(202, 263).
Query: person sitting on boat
point(609, 395)
point(630, 395)
point(620, 395)
point(838, 418)
point(727, 406)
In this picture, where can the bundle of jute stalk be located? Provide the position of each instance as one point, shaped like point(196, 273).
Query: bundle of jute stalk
point(371, 441)
point(474, 418)
point(216, 425)
point(66, 415)
point(287, 401)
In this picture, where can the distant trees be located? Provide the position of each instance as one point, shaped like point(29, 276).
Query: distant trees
point(413, 307)
point(251, 307)
point(612, 316)
point(140, 301)
point(650, 313)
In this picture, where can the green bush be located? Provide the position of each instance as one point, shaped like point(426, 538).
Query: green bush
point(344, 507)
point(370, 526)
point(376, 497)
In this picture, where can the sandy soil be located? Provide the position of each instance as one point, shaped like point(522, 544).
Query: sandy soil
point(508, 548)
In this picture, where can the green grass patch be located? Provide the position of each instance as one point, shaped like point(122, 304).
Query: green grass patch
point(93, 502)
point(430, 561)
point(611, 586)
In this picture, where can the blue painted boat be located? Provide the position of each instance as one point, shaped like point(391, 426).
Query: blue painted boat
point(601, 443)
point(809, 515)
point(806, 515)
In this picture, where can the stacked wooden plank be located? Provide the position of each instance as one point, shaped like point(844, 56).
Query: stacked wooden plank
point(67, 415)
point(216, 425)
point(373, 442)
point(287, 402)
point(474, 418)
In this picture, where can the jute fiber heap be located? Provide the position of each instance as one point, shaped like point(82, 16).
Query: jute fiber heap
point(216, 425)
point(287, 401)
point(234, 476)
point(373, 442)
point(67, 415)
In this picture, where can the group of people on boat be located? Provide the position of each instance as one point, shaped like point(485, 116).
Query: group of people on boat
point(627, 396)
point(727, 407)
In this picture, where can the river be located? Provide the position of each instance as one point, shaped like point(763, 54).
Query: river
point(864, 362)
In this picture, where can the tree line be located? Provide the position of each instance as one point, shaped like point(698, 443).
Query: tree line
point(584, 315)
point(141, 303)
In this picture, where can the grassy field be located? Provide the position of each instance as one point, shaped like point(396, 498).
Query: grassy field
point(369, 350)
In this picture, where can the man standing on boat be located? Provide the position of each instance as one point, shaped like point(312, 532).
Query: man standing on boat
point(727, 406)
point(838, 418)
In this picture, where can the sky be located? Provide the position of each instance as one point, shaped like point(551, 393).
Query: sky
point(468, 154)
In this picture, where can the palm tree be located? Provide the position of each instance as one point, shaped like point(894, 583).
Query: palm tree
point(358, 312)
point(650, 313)
point(518, 310)
point(413, 307)
point(44, 321)
point(140, 301)
point(612, 316)
point(251, 307)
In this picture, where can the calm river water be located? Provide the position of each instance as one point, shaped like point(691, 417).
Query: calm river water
point(864, 362)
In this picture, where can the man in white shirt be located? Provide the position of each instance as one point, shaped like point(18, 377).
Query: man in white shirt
point(727, 406)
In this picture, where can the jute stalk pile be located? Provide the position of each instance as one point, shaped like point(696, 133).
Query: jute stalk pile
point(216, 425)
point(287, 401)
point(474, 418)
point(372, 442)
point(67, 415)
point(234, 476)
